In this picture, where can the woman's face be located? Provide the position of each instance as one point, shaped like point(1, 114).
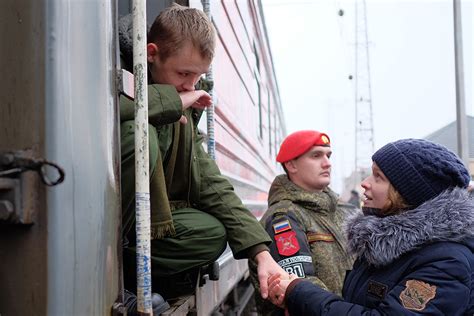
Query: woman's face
point(376, 188)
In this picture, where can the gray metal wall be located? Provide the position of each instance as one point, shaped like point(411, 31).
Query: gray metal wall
point(81, 135)
point(23, 256)
point(58, 100)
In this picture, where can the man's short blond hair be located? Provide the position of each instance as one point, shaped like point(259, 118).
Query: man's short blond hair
point(177, 25)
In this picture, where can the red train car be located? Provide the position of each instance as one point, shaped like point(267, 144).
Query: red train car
point(249, 124)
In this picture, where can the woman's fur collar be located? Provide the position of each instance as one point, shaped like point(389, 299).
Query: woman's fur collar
point(380, 240)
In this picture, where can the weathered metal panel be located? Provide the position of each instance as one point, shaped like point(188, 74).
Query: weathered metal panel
point(23, 249)
point(81, 135)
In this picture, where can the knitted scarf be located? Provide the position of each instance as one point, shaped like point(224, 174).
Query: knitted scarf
point(160, 184)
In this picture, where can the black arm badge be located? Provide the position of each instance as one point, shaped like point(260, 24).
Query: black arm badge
point(290, 247)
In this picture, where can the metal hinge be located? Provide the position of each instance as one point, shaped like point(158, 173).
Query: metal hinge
point(19, 188)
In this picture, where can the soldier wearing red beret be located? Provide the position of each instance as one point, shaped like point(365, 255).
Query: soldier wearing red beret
point(298, 143)
point(414, 241)
point(304, 218)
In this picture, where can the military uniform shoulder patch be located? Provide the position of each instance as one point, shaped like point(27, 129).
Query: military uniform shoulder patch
point(281, 226)
point(313, 237)
point(417, 294)
point(287, 243)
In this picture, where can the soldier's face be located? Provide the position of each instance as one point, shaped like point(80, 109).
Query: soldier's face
point(376, 188)
point(183, 69)
point(312, 170)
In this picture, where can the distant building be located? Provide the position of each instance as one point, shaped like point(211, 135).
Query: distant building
point(352, 183)
point(447, 136)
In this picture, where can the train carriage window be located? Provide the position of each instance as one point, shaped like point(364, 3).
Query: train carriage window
point(269, 112)
point(259, 92)
point(259, 100)
point(276, 141)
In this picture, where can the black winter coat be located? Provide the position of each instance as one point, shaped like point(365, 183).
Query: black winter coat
point(420, 262)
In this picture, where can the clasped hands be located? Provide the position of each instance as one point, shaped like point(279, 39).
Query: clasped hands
point(277, 285)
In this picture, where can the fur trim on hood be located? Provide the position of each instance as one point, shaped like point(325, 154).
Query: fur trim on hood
point(380, 240)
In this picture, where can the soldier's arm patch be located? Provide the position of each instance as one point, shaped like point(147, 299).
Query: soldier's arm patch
point(281, 226)
point(313, 237)
point(287, 243)
point(417, 294)
point(290, 247)
point(296, 265)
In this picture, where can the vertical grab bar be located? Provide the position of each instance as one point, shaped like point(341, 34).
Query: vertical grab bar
point(211, 142)
point(142, 179)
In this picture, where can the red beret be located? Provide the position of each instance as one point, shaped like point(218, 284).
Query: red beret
point(300, 142)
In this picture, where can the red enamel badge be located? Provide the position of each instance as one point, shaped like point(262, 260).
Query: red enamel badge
point(287, 243)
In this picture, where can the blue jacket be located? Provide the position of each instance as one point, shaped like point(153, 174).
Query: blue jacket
point(418, 262)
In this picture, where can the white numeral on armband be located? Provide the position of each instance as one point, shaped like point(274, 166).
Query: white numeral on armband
point(296, 269)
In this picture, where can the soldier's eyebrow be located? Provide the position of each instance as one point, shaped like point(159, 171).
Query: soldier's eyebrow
point(320, 150)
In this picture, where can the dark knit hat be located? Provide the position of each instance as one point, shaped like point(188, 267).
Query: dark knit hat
point(420, 170)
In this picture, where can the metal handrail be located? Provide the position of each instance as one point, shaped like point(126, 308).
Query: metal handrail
point(142, 179)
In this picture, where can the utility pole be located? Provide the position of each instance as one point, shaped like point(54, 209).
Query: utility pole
point(461, 119)
point(364, 130)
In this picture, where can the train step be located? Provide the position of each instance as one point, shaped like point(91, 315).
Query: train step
point(181, 306)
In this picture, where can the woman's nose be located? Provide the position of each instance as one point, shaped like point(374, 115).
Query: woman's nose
point(365, 184)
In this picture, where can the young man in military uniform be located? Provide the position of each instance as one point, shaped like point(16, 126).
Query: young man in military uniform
point(194, 210)
point(304, 218)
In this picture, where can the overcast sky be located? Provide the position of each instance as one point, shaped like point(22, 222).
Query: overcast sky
point(411, 61)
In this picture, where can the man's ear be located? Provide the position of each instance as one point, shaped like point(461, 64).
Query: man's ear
point(290, 166)
point(151, 52)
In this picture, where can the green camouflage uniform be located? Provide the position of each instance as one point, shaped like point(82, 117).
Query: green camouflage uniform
point(206, 213)
point(314, 245)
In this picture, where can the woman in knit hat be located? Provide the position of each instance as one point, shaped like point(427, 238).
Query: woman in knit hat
point(414, 243)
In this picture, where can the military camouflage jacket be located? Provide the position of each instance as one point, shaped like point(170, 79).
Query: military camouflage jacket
point(197, 181)
point(307, 233)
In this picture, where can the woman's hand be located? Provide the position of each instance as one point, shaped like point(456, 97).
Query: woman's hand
point(277, 286)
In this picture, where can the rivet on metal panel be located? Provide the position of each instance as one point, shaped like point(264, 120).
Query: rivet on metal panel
point(10, 200)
